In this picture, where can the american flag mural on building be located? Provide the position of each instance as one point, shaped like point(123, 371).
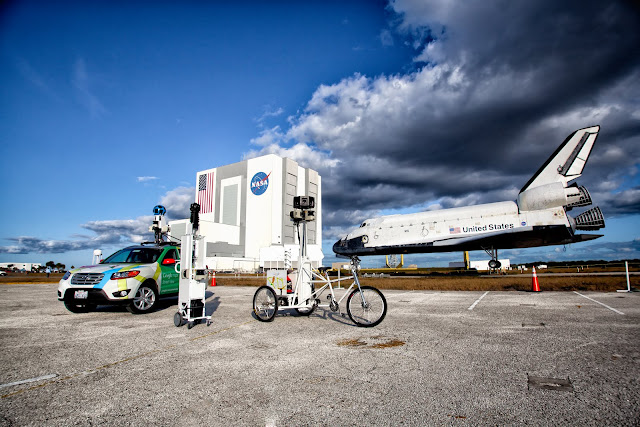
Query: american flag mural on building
point(205, 192)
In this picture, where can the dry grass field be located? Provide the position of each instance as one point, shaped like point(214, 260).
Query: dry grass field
point(30, 278)
point(477, 283)
point(510, 282)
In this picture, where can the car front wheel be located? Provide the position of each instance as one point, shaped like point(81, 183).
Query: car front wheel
point(144, 300)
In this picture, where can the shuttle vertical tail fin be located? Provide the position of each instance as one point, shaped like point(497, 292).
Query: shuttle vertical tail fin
point(567, 163)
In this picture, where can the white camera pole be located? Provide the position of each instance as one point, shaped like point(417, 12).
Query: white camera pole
point(193, 275)
point(304, 277)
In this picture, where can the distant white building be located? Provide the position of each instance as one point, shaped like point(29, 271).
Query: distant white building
point(482, 265)
point(244, 213)
point(340, 266)
point(28, 266)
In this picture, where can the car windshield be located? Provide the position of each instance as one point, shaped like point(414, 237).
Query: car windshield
point(134, 255)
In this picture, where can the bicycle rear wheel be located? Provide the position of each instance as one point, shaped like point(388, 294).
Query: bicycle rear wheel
point(366, 307)
point(265, 304)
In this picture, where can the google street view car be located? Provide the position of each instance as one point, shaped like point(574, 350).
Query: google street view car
point(136, 276)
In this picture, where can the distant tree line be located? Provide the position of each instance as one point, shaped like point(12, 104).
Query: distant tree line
point(54, 266)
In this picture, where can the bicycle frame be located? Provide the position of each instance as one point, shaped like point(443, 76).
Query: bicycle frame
point(366, 306)
point(326, 283)
point(368, 310)
point(303, 297)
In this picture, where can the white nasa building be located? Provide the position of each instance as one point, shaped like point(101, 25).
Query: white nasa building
point(244, 214)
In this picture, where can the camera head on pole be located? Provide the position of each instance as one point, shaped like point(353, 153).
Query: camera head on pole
point(159, 210)
point(304, 202)
point(158, 226)
point(301, 209)
point(195, 215)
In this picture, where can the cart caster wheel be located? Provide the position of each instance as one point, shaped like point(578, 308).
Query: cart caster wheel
point(189, 325)
point(177, 320)
point(208, 322)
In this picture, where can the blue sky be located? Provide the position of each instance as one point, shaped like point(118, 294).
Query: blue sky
point(108, 109)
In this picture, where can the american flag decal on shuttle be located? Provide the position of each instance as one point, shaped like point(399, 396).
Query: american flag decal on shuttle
point(205, 192)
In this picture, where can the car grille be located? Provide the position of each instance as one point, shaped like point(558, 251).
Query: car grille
point(86, 278)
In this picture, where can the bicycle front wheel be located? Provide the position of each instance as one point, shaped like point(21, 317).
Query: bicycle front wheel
point(265, 304)
point(366, 307)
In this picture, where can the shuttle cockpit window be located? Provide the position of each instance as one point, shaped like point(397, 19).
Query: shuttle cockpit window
point(363, 224)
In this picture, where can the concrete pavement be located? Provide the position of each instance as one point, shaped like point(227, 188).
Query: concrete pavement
point(438, 358)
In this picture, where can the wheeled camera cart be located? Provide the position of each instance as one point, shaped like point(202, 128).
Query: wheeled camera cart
point(366, 305)
point(193, 276)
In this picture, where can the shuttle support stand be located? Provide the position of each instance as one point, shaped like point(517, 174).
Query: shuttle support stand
point(194, 275)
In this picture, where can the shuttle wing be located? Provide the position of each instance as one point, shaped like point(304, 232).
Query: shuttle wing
point(568, 161)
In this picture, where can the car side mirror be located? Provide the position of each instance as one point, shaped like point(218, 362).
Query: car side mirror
point(168, 261)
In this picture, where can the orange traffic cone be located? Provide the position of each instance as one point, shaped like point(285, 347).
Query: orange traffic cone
point(536, 286)
point(213, 279)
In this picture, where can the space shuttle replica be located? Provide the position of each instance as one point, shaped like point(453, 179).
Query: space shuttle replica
point(537, 218)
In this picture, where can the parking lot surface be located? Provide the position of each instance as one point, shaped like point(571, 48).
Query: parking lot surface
point(438, 358)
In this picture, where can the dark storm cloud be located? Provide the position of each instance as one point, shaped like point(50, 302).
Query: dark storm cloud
point(497, 87)
point(622, 203)
point(518, 64)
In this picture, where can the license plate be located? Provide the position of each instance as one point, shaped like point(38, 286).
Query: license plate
point(81, 294)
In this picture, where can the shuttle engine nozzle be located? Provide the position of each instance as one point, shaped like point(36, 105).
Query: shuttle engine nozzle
point(585, 199)
point(590, 220)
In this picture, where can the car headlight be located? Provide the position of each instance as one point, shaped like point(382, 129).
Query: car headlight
point(66, 275)
point(124, 274)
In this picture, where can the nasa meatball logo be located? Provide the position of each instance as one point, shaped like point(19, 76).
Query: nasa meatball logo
point(259, 183)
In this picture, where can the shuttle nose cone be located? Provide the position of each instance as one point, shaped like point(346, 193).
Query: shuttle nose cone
point(353, 246)
point(340, 246)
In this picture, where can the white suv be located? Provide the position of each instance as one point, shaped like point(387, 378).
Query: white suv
point(135, 276)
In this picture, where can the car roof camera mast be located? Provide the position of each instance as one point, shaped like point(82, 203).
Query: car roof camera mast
point(159, 226)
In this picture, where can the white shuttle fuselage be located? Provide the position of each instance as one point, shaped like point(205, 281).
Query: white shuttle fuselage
point(537, 218)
